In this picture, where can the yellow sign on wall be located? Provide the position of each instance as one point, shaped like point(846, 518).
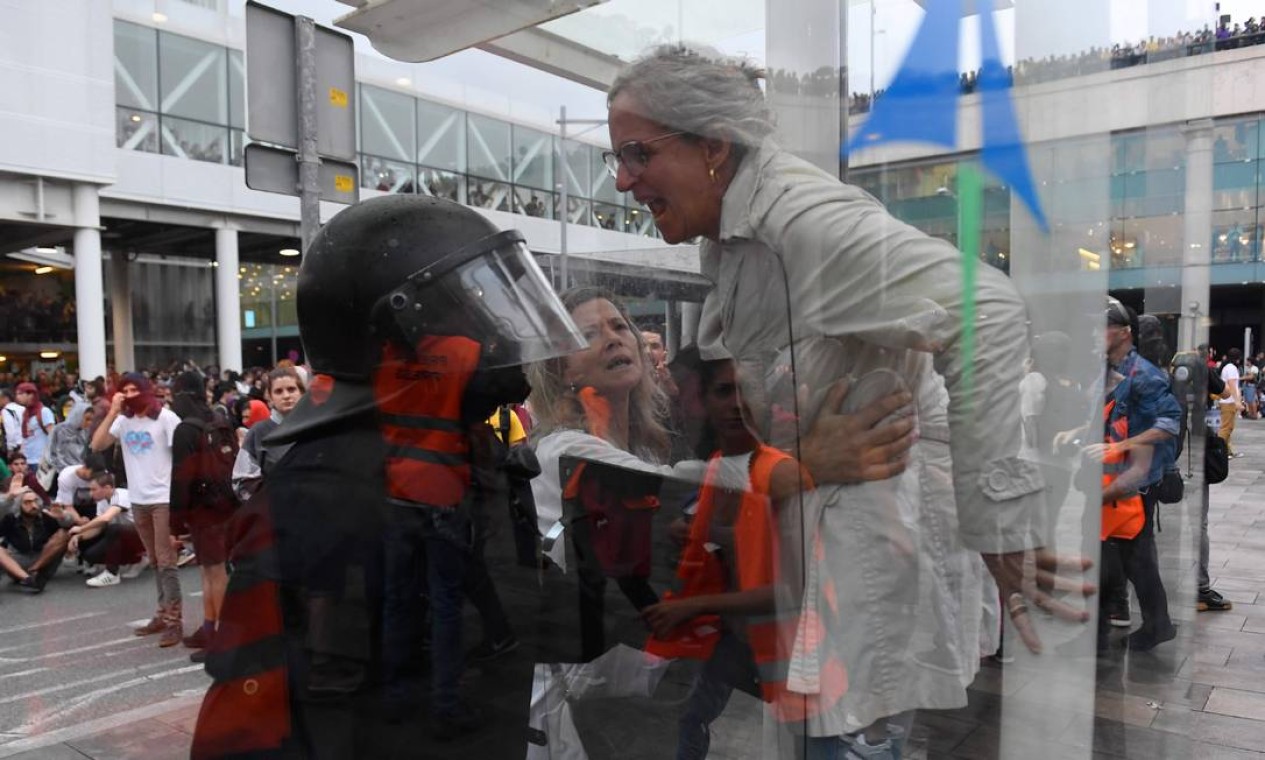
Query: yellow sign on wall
point(337, 97)
point(344, 183)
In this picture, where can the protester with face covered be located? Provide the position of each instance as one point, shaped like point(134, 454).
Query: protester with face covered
point(37, 422)
point(146, 430)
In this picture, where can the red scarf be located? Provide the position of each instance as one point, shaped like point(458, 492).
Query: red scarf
point(33, 410)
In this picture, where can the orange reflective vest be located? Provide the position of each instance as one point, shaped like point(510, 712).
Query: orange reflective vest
point(419, 408)
point(1121, 518)
point(770, 636)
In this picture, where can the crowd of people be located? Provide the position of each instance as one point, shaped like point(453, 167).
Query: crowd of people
point(1049, 68)
point(142, 470)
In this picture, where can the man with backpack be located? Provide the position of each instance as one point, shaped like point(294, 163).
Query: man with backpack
point(202, 455)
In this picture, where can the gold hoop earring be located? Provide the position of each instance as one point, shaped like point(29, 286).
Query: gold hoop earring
point(711, 172)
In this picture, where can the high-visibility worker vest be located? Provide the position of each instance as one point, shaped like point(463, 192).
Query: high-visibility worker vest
point(1121, 518)
point(419, 409)
point(770, 636)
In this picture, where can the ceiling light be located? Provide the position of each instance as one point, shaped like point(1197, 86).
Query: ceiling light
point(404, 81)
point(159, 17)
point(43, 270)
point(49, 354)
point(136, 118)
point(289, 252)
point(4, 358)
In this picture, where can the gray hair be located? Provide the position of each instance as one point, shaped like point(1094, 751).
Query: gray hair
point(698, 90)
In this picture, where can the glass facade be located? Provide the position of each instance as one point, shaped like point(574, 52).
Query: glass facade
point(178, 96)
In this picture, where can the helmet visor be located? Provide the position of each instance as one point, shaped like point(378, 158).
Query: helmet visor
point(503, 294)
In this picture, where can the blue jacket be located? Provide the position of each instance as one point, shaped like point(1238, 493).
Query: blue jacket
point(1145, 396)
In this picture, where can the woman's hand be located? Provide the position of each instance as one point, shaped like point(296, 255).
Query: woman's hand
point(666, 616)
point(853, 448)
point(1035, 576)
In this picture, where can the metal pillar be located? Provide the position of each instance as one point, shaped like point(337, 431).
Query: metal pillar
point(89, 282)
point(308, 158)
point(228, 301)
point(1197, 236)
point(121, 312)
point(564, 197)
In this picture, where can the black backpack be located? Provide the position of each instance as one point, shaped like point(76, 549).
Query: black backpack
point(211, 464)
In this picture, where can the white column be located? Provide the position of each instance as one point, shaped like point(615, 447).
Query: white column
point(1197, 236)
point(89, 282)
point(691, 315)
point(228, 302)
point(121, 312)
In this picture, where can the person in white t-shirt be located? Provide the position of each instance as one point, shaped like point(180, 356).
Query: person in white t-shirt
point(1232, 401)
point(110, 538)
point(145, 429)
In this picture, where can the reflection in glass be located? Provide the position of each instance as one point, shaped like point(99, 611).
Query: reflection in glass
point(386, 123)
point(441, 134)
point(488, 147)
point(533, 158)
point(532, 202)
point(195, 140)
point(386, 175)
point(607, 216)
point(490, 195)
point(136, 130)
point(441, 184)
point(236, 89)
point(135, 66)
point(194, 76)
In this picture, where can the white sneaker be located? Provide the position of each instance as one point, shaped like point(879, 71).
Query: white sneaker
point(131, 571)
point(105, 578)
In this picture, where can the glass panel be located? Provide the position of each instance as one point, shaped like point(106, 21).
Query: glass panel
point(578, 181)
point(601, 181)
point(386, 175)
point(1235, 235)
point(195, 140)
point(488, 147)
point(135, 66)
point(441, 135)
point(194, 78)
point(179, 305)
point(1234, 185)
point(608, 217)
point(442, 184)
point(386, 123)
point(638, 221)
point(1236, 141)
point(136, 130)
point(237, 146)
point(534, 202)
point(533, 158)
point(579, 211)
point(236, 89)
point(489, 195)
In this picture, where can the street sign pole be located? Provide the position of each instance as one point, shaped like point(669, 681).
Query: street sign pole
point(309, 160)
point(564, 198)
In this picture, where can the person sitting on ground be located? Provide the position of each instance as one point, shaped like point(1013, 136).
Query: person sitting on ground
point(21, 478)
point(35, 541)
point(110, 538)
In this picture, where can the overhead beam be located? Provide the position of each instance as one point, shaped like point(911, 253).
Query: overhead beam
point(557, 55)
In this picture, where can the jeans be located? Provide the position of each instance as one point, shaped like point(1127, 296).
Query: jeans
point(732, 664)
point(153, 523)
point(1205, 582)
point(1139, 565)
point(439, 543)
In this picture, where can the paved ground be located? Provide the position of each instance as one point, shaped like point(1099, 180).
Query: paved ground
point(73, 685)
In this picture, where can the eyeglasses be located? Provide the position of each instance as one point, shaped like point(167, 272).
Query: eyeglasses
point(633, 155)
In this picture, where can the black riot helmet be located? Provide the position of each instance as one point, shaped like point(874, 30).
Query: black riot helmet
point(406, 266)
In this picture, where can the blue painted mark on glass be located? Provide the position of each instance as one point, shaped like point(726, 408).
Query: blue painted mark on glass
point(920, 105)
